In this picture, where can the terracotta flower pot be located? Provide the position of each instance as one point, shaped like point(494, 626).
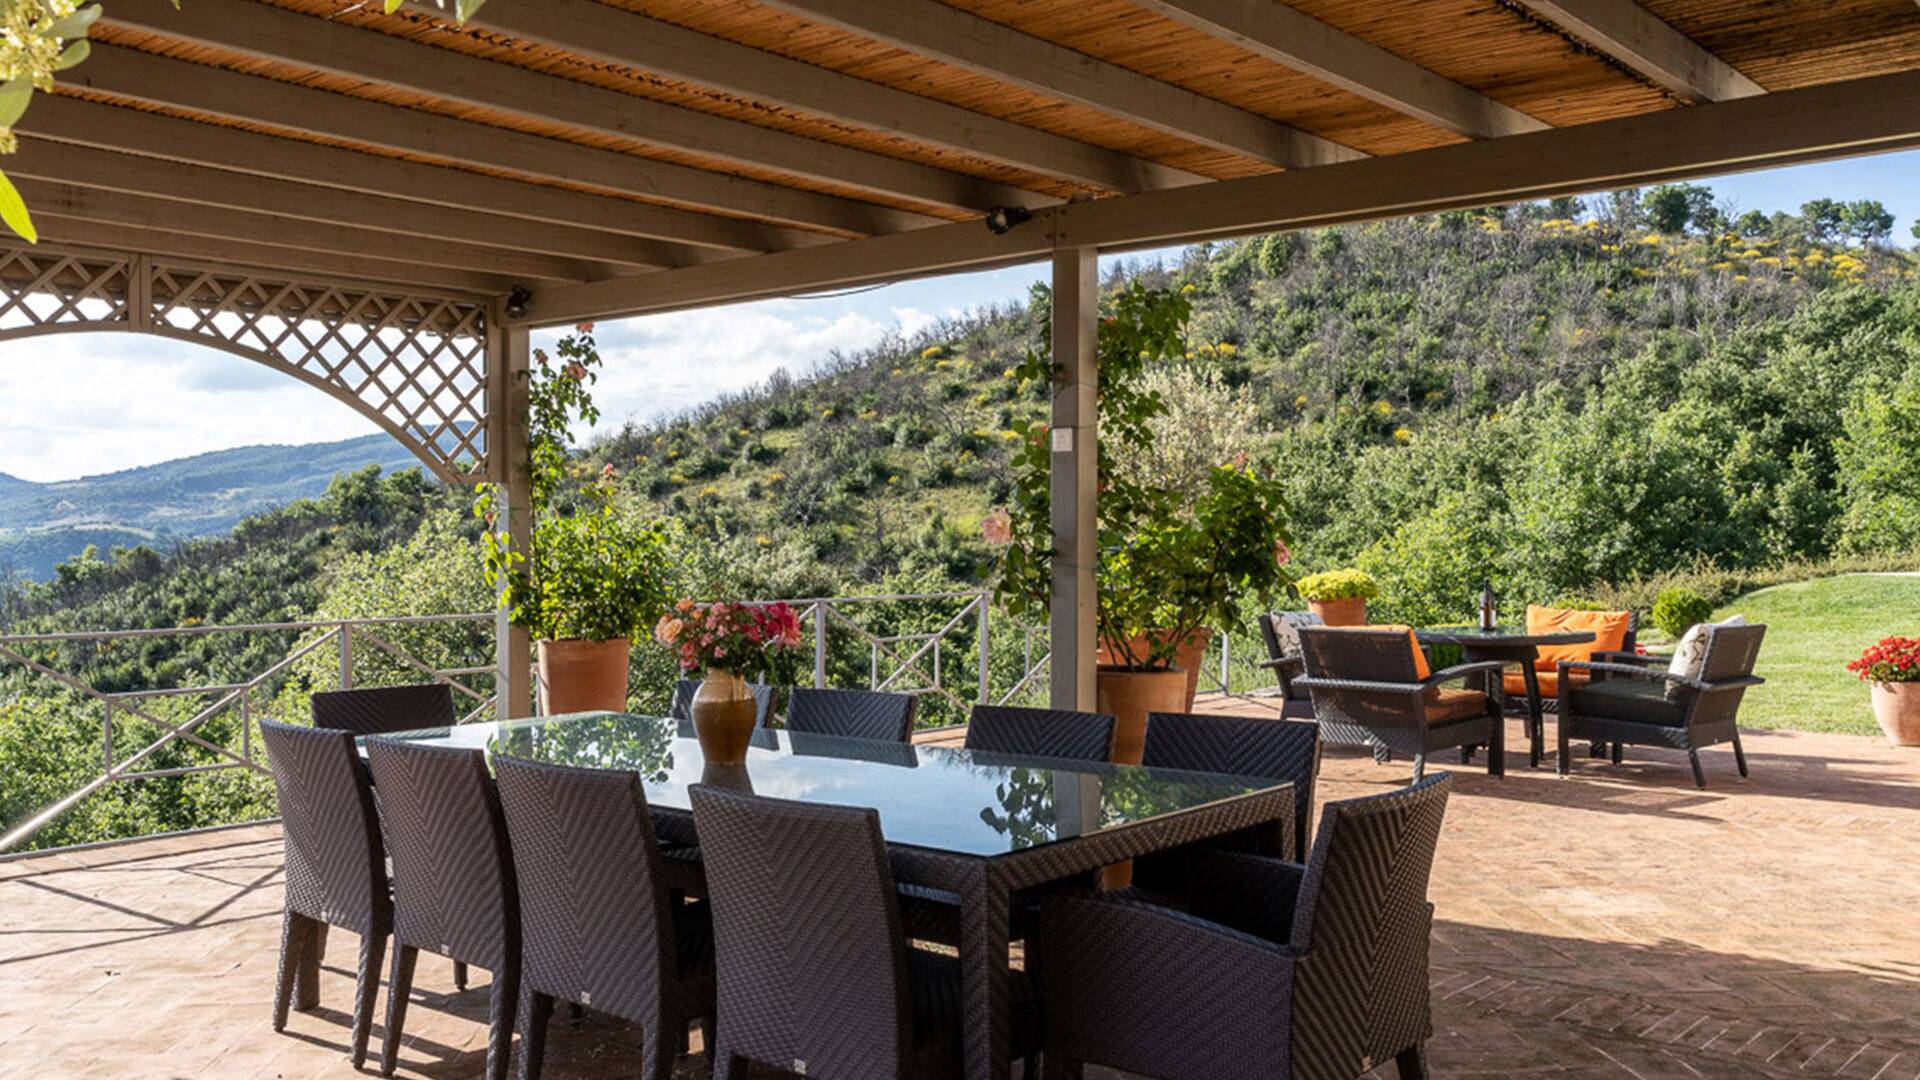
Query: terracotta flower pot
point(583, 676)
point(723, 716)
point(1191, 655)
point(1897, 707)
point(1129, 694)
point(1346, 611)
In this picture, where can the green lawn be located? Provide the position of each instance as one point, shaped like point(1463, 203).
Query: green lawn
point(1813, 629)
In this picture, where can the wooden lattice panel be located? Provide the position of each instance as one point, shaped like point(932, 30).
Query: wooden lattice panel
point(41, 290)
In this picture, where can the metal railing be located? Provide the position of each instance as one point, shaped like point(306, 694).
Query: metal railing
point(1008, 660)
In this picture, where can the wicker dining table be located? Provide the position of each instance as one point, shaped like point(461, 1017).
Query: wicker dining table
point(1513, 646)
point(977, 826)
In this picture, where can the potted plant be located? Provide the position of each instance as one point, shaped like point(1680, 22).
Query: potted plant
point(1893, 667)
point(1170, 563)
point(1339, 597)
point(591, 578)
point(725, 641)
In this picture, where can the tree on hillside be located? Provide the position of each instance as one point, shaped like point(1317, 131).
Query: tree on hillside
point(1823, 219)
point(1867, 222)
point(1916, 230)
point(1673, 208)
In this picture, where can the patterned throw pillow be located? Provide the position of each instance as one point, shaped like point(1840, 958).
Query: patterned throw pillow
point(1690, 656)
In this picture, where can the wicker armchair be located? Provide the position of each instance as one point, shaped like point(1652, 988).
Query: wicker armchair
point(601, 926)
point(816, 976)
point(1281, 632)
point(1367, 692)
point(454, 888)
point(1314, 972)
point(684, 689)
point(386, 709)
point(1282, 751)
point(1054, 733)
point(859, 714)
point(336, 870)
point(1645, 705)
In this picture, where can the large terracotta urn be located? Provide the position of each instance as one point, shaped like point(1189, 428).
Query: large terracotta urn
point(1190, 657)
point(1128, 694)
point(1897, 707)
point(723, 717)
point(1346, 611)
point(577, 675)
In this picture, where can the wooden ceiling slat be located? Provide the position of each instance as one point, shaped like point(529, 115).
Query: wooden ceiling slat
point(143, 77)
point(1634, 36)
point(303, 42)
point(58, 231)
point(593, 30)
point(1306, 44)
point(930, 28)
point(225, 222)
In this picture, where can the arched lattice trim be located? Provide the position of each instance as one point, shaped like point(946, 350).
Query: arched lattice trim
point(413, 362)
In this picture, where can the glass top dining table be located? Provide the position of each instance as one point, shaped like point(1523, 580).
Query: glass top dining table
point(938, 797)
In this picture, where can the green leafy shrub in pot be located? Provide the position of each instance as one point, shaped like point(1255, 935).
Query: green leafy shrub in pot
point(1676, 610)
point(1338, 585)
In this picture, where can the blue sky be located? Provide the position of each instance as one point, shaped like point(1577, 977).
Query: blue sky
point(84, 404)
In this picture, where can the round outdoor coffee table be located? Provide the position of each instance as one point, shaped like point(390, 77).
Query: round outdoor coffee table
point(1514, 647)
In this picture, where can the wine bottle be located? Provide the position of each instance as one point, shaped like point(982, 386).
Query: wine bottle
point(1488, 621)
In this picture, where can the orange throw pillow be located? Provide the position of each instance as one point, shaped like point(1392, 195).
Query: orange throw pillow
point(1609, 629)
point(1420, 667)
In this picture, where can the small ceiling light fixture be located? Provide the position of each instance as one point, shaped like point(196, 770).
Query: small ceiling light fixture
point(1002, 219)
point(517, 302)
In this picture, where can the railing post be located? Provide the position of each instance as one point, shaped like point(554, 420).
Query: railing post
point(346, 656)
point(986, 667)
point(106, 736)
point(1226, 684)
point(246, 725)
point(820, 644)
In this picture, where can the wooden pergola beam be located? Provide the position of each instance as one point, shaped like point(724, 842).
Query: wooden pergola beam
point(1843, 119)
point(955, 37)
point(292, 234)
point(58, 230)
point(269, 33)
point(1305, 44)
point(627, 39)
point(156, 80)
point(1634, 36)
point(104, 170)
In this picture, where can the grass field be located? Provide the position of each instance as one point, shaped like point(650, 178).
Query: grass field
point(1813, 629)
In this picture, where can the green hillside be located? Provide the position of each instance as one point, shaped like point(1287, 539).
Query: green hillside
point(1813, 629)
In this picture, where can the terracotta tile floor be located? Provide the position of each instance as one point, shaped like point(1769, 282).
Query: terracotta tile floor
point(1616, 924)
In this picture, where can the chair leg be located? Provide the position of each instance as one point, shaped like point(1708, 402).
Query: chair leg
point(656, 1056)
point(1466, 754)
point(399, 988)
point(1619, 752)
point(1412, 1062)
point(536, 1010)
point(1739, 753)
point(1419, 767)
point(1597, 750)
point(459, 975)
point(503, 1005)
point(295, 931)
point(306, 986)
point(373, 953)
point(1699, 775)
point(1497, 745)
point(1565, 764)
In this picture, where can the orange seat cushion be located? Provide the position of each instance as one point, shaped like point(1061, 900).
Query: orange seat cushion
point(1445, 705)
point(1516, 684)
point(1421, 669)
point(1609, 629)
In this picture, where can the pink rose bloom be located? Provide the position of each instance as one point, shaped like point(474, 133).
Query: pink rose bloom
point(584, 328)
point(576, 371)
point(608, 471)
point(997, 528)
point(718, 609)
point(1282, 554)
point(720, 652)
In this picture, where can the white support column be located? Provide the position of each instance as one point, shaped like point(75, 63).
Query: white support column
point(1076, 321)
point(509, 362)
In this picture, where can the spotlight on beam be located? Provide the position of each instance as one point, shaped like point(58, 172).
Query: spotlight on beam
point(1002, 219)
point(517, 302)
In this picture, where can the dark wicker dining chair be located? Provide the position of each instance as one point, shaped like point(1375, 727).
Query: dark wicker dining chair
point(454, 891)
point(1278, 750)
point(336, 870)
point(1644, 704)
point(1367, 692)
point(1280, 632)
point(859, 714)
point(815, 976)
point(1313, 972)
point(601, 927)
point(1054, 733)
point(684, 689)
point(383, 710)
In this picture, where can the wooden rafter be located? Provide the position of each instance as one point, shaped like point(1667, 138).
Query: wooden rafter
point(1815, 123)
point(594, 30)
point(142, 77)
point(1634, 36)
point(979, 45)
point(1307, 45)
point(270, 33)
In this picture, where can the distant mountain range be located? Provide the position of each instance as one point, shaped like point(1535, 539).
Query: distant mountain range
point(43, 524)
